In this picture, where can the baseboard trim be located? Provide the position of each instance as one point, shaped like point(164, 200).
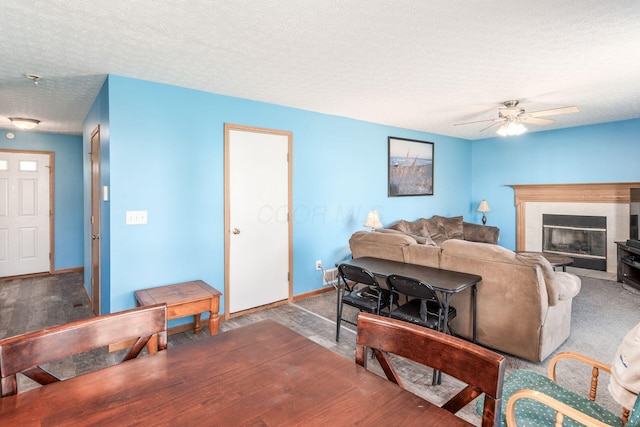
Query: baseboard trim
point(314, 293)
point(44, 273)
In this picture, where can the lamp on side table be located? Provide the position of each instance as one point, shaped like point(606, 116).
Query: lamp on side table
point(373, 220)
point(484, 208)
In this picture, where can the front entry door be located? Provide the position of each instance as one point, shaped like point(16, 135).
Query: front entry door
point(25, 212)
point(257, 217)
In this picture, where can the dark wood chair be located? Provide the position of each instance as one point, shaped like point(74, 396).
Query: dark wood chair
point(24, 353)
point(481, 369)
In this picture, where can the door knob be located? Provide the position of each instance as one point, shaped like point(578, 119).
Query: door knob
point(235, 231)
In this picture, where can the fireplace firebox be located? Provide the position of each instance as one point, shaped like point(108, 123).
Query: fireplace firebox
point(583, 238)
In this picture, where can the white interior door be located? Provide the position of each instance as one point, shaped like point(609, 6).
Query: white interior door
point(258, 224)
point(24, 213)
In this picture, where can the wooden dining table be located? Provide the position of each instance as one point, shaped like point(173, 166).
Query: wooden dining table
point(262, 374)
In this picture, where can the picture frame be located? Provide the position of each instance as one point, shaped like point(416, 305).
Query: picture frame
point(410, 165)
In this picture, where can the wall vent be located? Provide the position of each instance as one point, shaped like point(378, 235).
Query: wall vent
point(330, 277)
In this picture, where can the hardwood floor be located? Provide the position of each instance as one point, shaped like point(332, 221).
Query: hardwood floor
point(36, 303)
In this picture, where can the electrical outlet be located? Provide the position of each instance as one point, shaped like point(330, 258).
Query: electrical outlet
point(318, 265)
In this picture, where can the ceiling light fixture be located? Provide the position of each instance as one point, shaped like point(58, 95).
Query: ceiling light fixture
point(511, 128)
point(34, 78)
point(22, 123)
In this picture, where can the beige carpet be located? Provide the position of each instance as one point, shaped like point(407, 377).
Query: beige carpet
point(603, 312)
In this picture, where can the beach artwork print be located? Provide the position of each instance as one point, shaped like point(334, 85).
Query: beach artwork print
point(410, 167)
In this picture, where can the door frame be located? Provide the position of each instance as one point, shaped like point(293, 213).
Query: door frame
point(52, 156)
point(95, 222)
point(228, 127)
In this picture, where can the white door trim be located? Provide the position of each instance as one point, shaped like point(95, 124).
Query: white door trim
point(227, 219)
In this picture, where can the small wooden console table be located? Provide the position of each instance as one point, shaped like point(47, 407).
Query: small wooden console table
point(185, 299)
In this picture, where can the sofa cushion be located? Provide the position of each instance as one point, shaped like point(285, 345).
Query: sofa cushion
point(419, 239)
point(452, 226)
point(480, 233)
point(479, 251)
point(416, 229)
point(436, 230)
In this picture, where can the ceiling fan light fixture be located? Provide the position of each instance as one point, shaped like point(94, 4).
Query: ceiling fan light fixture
point(24, 123)
point(511, 129)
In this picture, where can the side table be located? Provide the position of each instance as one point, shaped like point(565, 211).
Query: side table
point(556, 260)
point(185, 299)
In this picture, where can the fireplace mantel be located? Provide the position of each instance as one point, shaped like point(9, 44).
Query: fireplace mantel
point(614, 192)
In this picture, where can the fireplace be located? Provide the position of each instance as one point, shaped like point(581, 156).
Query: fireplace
point(610, 200)
point(583, 238)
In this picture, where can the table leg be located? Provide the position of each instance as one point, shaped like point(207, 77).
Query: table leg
point(197, 327)
point(437, 375)
point(474, 291)
point(214, 323)
point(339, 309)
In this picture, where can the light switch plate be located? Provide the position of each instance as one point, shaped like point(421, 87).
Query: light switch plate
point(136, 217)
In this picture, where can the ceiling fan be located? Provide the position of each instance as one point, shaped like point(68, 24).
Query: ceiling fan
point(512, 117)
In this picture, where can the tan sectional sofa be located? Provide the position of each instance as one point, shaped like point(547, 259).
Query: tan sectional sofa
point(524, 306)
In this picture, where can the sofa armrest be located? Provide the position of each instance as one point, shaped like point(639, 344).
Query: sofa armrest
point(480, 233)
point(560, 286)
point(563, 286)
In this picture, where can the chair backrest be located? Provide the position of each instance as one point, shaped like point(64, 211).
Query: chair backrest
point(350, 273)
point(24, 353)
point(413, 288)
point(480, 368)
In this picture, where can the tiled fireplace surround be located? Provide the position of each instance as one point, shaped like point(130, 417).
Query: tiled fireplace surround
point(598, 199)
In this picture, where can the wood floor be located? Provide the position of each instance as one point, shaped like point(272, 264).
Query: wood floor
point(35, 303)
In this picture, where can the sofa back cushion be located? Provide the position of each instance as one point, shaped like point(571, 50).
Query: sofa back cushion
point(414, 229)
point(391, 246)
point(452, 226)
point(480, 233)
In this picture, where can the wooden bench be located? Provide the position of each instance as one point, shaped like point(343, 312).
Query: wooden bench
point(185, 299)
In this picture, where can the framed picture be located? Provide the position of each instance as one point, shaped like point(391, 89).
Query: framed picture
point(410, 167)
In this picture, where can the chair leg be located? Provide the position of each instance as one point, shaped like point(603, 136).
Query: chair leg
point(339, 311)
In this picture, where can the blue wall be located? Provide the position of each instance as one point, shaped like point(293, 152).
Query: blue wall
point(608, 152)
point(67, 149)
point(166, 156)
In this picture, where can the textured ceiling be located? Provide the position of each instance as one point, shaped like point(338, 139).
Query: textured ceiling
point(415, 64)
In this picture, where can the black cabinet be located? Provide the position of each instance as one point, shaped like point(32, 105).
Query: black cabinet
point(628, 264)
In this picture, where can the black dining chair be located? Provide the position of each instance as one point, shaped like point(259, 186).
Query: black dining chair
point(361, 290)
point(425, 308)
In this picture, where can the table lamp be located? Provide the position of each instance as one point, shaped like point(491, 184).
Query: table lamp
point(484, 208)
point(373, 220)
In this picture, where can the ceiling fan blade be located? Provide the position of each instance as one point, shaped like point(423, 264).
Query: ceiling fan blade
point(536, 120)
point(477, 121)
point(554, 111)
point(497, 122)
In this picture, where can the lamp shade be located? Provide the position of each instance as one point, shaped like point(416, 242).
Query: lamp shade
point(373, 220)
point(22, 123)
point(484, 206)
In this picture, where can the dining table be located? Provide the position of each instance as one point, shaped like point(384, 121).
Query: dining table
point(260, 374)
